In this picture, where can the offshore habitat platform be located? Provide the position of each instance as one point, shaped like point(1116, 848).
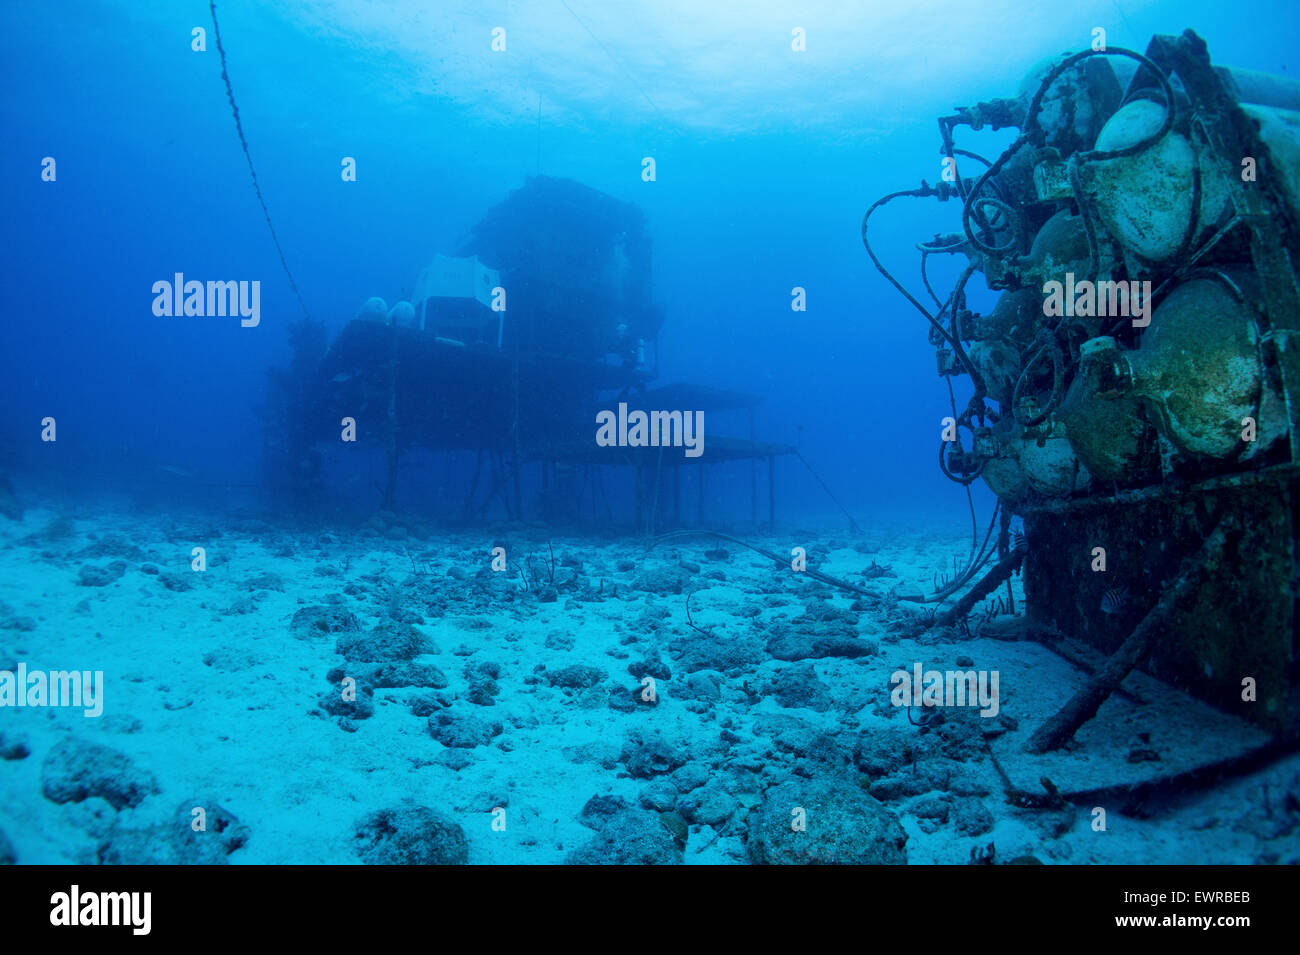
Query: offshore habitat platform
point(508, 351)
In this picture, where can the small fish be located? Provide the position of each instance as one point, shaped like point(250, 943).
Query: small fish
point(1114, 600)
point(342, 377)
point(175, 471)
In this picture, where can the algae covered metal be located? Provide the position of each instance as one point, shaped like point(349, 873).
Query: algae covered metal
point(1134, 392)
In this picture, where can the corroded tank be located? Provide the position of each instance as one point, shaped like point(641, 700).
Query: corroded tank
point(1137, 385)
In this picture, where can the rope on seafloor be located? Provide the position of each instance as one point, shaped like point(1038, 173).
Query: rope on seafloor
point(775, 558)
point(239, 128)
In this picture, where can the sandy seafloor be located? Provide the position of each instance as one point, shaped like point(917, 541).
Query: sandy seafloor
point(216, 695)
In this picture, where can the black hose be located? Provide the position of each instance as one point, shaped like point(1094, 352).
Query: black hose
point(958, 302)
point(1194, 220)
point(952, 153)
point(1033, 134)
point(1036, 135)
point(937, 327)
point(943, 466)
point(780, 561)
point(925, 279)
point(971, 155)
point(974, 567)
point(970, 498)
point(974, 373)
point(968, 207)
point(1015, 225)
point(1053, 350)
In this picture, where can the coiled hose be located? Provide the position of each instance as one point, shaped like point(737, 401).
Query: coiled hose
point(1033, 134)
point(1052, 349)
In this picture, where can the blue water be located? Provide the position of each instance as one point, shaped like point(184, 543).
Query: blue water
point(766, 160)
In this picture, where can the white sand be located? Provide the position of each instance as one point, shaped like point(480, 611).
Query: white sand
point(237, 729)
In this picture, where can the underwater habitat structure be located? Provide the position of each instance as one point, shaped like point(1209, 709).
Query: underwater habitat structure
point(427, 449)
point(1135, 391)
point(510, 350)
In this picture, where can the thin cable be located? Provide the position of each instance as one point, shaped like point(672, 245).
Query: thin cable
point(853, 524)
point(613, 58)
point(230, 94)
point(970, 498)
